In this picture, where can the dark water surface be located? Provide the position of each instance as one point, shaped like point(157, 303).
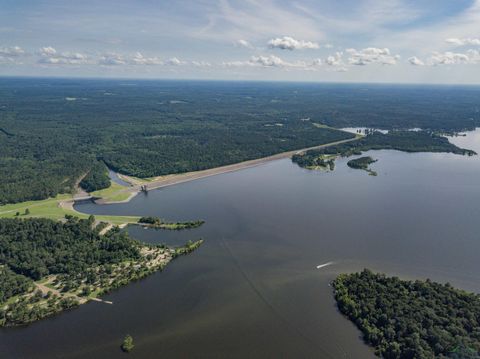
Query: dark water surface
point(252, 290)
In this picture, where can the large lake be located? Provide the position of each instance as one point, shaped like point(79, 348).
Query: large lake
point(253, 290)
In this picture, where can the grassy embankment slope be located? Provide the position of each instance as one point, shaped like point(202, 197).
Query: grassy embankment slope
point(52, 208)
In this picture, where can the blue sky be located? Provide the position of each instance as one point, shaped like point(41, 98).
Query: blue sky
point(423, 41)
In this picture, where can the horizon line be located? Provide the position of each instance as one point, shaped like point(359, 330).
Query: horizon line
point(163, 79)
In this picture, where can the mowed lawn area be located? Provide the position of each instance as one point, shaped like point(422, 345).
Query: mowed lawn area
point(114, 193)
point(51, 208)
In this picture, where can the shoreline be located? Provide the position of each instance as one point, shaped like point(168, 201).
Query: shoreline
point(174, 179)
point(57, 208)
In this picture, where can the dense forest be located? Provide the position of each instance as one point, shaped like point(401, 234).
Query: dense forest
point(96, 179)
point(48, 266)
point(54, 131)
point(406, 141)
point(36, 248)
point(411, 319)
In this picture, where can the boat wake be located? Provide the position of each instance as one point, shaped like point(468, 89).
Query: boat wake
point(325, 265)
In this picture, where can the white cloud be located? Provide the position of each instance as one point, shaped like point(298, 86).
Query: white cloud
point(473, 56)
point(448, 58)
point(112, 59)
point(266, 61)
point(47, 51)
point(50, 56)
point(463, 41)
point(335, 60)
point(139, 59)
point(201, 63)
point(11, 55)
point(174, 62)
point(13, 51)
point(289, 43)
point(371, 55)
point(244, 43)
point(415, 61)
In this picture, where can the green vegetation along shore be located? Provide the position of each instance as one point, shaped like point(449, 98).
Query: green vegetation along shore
point(411, 319)
point(406, 141)
point(44, 152)
point(155, 222)
point(48, 266)
point(363, 163)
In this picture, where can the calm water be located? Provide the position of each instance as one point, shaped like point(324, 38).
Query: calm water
point(253, 290)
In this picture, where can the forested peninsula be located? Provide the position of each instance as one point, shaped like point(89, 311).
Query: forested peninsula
point(411, 319)
point(49, 266)
point(406, 141)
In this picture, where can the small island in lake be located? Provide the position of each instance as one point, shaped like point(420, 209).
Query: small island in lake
point(155, 222)
point(363, 163)
point(49, 266)
point(406, 141)
point(410, 319)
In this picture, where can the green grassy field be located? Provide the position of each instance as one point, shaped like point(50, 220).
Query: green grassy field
point(114, 193)
point(50, 208)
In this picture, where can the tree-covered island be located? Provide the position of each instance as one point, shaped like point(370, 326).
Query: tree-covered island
point(158, 223)
point(48, 266)
point(410, 319)
point(363, 163)
point(406, 141)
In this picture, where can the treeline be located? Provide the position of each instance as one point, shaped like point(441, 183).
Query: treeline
point(406, 141)
point(36, 248)
point(157, 128)
point(411, 319)
point(96, 179)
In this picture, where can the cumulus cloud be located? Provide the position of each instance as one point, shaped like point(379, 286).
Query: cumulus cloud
point(266, 61)
point(371, 55)
point(334, 60)
point(112, 59)
point(50, 56)
point(463, 41)
point(289, 43)
point(470, 57)
point(415, 61)
point(175, 62)
point(244, 43)
point(139, 59)
point(334, 63)
point(448, 58)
